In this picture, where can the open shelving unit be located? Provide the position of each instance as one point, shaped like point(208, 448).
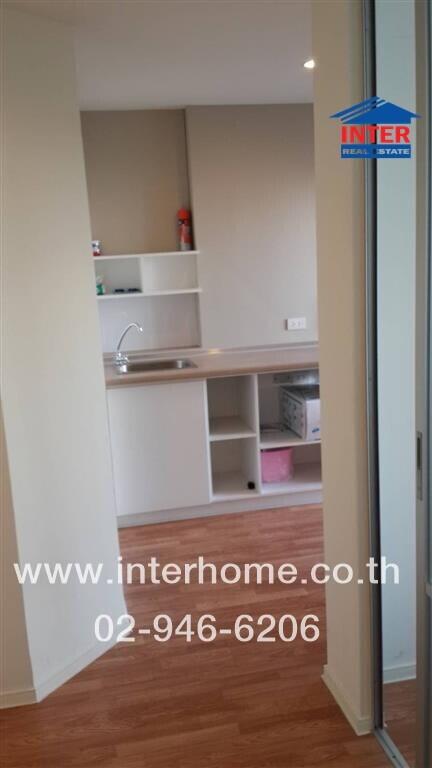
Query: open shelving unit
point(152, 274)
point(164, 298)
point(237, 405)
point(233, 430)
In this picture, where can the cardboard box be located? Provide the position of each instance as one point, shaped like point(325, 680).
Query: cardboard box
point(301, 411)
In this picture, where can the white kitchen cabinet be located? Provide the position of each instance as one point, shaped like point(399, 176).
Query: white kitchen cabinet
point(160, 446)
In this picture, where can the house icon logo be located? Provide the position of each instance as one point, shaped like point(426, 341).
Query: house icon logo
point(375, 129)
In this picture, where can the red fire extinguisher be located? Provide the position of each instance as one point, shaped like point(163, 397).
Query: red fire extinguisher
point(184, 229)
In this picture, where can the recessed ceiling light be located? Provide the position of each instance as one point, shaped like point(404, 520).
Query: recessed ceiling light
point(309, 64)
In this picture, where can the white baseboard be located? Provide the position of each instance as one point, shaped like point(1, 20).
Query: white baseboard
point(399, 673)
point(70, 670)
point(34, 695)
point(222, 508)
point(361, 725)
point(9, 699)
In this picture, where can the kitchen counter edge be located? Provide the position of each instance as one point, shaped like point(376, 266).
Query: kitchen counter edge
point(222, 363)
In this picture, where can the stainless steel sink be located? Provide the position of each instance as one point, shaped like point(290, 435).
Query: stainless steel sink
point(143, 366)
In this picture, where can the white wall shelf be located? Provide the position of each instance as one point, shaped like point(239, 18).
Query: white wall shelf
point(229, 428)
point(166, 292)
point(134, 295)
point(157, 254)
point(120, 257)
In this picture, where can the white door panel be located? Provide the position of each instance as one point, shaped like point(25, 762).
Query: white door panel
point(159, 444)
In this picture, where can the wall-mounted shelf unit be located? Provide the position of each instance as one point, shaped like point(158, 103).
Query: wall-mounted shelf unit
point(154, 274)
point(168, 277)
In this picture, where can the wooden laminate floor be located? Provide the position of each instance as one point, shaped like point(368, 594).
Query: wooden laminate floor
point(223, 704)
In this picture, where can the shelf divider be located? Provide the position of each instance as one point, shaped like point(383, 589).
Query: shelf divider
point(283, 438)
point(229, 428)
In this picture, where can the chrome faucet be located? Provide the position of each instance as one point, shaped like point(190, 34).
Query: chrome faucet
point(119, 357)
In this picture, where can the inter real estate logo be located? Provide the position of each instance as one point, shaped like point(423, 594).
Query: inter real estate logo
point(375, 128)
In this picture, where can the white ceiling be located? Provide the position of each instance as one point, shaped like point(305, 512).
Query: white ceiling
point(134, 54)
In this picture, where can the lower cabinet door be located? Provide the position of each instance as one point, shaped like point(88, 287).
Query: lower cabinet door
point(159, 444)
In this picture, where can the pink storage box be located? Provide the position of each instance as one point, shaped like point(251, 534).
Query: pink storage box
point(277, 465)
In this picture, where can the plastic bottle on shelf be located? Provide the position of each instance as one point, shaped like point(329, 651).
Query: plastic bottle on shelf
point(100, 286)
point(184, 229)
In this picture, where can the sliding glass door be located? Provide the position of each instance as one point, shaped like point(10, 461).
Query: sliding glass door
point(424, 382)
point(395, 368)
point(400, 383)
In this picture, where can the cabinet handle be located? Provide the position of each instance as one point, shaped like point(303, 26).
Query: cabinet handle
point(419, 464)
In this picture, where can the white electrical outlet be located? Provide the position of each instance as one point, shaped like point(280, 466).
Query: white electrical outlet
point(295, 324)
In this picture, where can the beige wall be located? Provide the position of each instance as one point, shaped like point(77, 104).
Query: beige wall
point(253, 212)
point(252, 184)
point(16, 678)
point(53, 391)
point(136, 177)
point(337, 47)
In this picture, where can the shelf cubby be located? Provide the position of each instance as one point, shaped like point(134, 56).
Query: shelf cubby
point(234, 465)
point(125, 273)
point(172, 271)
point(307, 453)
point(272, 432)
point(232, 408)
point(307, 477)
